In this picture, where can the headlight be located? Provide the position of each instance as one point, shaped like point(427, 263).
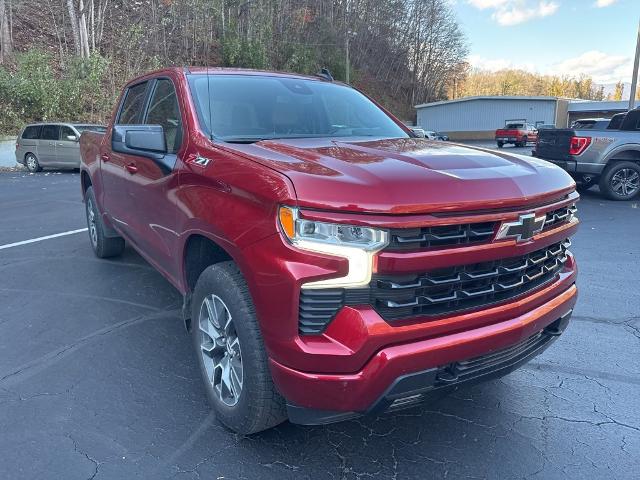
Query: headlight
point(357, 244)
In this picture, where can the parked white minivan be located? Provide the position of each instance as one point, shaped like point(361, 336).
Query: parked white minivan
point(53, 145)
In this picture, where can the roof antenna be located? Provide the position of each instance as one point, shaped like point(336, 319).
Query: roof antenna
point(326, 74)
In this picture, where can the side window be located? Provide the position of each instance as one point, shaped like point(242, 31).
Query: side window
point(50, 132)
point(131, 111)
point(32, 132)
point(66, 132)
point(164, 111)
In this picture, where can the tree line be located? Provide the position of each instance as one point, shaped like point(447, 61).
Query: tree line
point(520, 82)
point(68, 59)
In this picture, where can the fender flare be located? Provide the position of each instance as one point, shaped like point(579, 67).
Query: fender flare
point(634, 147)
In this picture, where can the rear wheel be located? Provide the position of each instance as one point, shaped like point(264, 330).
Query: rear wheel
point(231, 354)
point(31, 162)
point(102, 245)
point(621, 181)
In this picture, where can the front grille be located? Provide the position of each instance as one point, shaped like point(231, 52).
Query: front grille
point(440, 236)
point(465, 287)
point(558, 216)
point(406, 239)
point(438, 292)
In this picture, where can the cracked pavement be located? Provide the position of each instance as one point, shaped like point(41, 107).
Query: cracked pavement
point(98, 380)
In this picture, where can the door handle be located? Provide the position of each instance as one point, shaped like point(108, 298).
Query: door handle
point(105, 157)
point(131, 168)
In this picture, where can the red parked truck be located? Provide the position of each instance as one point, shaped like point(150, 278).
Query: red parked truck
point(331, 264)
point(517, 133)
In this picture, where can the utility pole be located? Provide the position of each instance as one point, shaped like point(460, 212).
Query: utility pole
point(634, 78)
point(347, 64)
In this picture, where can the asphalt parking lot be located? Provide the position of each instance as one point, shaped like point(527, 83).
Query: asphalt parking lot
point(98, 380)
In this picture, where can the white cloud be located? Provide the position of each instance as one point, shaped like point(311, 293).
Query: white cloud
point(602, 67)
point(604, 3)
point(513, 12)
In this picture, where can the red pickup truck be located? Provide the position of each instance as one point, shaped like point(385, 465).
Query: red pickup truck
point(518, 134)
point(331, 264)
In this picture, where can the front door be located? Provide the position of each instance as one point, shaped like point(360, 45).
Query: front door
point(67, 150)
point(151, 182)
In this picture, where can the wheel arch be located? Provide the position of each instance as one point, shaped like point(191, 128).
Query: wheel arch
point(85, 181)
point(199, 252)
point(625, 153)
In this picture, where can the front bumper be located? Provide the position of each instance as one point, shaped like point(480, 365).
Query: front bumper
point(375, 385)
point(411, 389)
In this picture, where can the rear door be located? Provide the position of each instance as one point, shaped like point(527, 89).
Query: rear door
point(68, 151)
point(47, 144)
point(115, 176)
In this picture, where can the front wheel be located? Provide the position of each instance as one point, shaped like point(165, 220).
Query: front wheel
point(231, 354)
point(621, 181)
point(500, 144)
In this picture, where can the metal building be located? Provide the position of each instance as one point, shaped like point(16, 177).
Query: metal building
point(579, 109)
point(471, 118)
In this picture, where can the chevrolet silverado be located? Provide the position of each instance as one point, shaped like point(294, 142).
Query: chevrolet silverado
point(331, 264)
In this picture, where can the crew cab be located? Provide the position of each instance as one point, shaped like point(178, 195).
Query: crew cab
point(331, 264)
point(609, 158)
point(517, 133)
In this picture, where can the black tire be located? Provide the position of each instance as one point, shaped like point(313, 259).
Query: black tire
point(32, 163)
point(258, 406)
point(500, 144)
point(103, 246)
point(610, 184)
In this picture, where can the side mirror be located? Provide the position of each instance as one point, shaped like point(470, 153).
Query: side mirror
point(141, 140)
point(72, 138)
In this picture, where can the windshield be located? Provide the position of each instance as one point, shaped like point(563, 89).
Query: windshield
point(242, 108)
point(515, 125)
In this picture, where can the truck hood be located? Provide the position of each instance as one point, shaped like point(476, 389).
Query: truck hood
point(403, 176)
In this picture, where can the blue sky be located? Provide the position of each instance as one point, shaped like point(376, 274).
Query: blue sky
point(563, 37)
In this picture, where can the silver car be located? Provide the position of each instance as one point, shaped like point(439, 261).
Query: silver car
point(52, 145)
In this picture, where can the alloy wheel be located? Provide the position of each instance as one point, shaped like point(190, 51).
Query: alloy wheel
point(91, 217)
point(625, 182)
point(220, 350)
point(32, 163)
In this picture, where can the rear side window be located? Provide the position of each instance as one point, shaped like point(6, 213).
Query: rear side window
point(164, 111)
point(32, 132)
point(131, 111)
point(50, 132)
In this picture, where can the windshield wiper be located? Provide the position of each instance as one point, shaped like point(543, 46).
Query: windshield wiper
point(243, 139)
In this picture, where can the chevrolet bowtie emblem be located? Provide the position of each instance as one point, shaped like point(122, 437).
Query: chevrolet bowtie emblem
point(523, 229)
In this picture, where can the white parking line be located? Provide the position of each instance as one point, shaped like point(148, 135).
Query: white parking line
point(40, 239)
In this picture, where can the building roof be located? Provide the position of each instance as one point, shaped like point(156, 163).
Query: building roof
point(598, 106)
point(488, 97)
